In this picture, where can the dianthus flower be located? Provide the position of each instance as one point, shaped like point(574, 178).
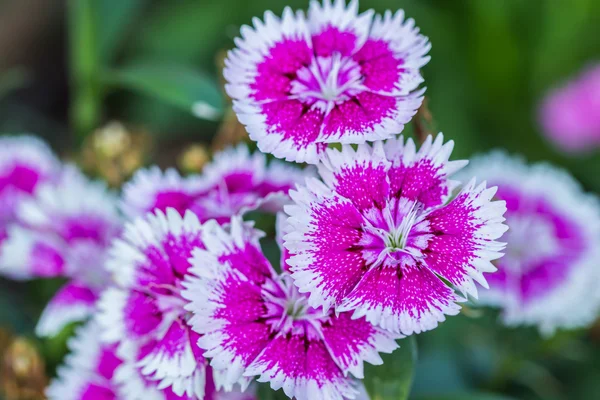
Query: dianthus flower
point(569, 114)
point(233, 183)
point(549, 275)
point(63, 230)
point(145, 310)
point(25, 163)
point(334, 76)
point(96, 371)
point(133, 385)
point(382, 235)
point(88, 370)
point(253, 321)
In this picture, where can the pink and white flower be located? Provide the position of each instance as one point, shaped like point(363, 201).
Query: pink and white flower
point(233, 183)
point(253, 321)
point(64, 230)
point(145, 310)
point(569, 114)
point(334, 76)
point(132, 385)
point(25, 163)
point(382, 233)
point(153, 189)
point(549, 275)
point(88, 370)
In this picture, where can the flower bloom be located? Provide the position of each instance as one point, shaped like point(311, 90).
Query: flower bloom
point(145, 312)
point(96, 371)
point(25, 163)
point(570, 116)
point(235, 182)
point(549, 275)
point(89, 368)
point(253, 321)
point(334, 76)
point(376, 237)
point(64, 230)
point(132, 385)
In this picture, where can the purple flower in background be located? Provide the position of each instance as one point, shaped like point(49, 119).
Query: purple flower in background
point(63, 230)
point(382, 230)
point(570, 115)
point(233, 183)
point(253, 321)
point(299, 82)
point(88, 370)
point(25, 163)
point(146, 309)
point(549, 276)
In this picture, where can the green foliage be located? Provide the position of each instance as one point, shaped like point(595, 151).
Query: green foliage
point(179, 85)
point(113, 23)
point(394, 381)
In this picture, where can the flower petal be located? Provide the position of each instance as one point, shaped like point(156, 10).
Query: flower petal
point(464, 237)
point(403, 301)
point(303, 368)
point(73, 302)
point(422, 175)
point(360, 176)
point(172, 361)
point(324, 228)
point(352, 341)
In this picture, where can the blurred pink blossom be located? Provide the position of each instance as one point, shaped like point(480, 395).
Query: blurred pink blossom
point(570, 115)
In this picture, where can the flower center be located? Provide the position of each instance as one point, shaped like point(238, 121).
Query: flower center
point(292, 312)
point(327, 81)
point(391, 236)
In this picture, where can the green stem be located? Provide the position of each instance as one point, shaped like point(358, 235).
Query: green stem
point(86, 91)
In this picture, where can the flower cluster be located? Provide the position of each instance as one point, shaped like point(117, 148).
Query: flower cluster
point(377, 239)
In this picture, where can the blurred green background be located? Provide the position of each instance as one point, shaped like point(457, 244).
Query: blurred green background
point(69, 67)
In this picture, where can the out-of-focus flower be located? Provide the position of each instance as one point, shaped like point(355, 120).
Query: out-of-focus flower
point(233, 183)
point(22, 372)
point(145, 313)
point(87, 373)
point(64, 231)
point(570, 115)
point(25, 163)
point(253, 321)
point(114, 152)
point(298, 83)
point(381, 235)
point(549, 275)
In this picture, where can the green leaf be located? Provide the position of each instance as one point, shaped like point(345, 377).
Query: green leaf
point(264, 392)
point(393, 380)
point(466, 396)
point(179, 85)
point(86, 94)
point(114, 18)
